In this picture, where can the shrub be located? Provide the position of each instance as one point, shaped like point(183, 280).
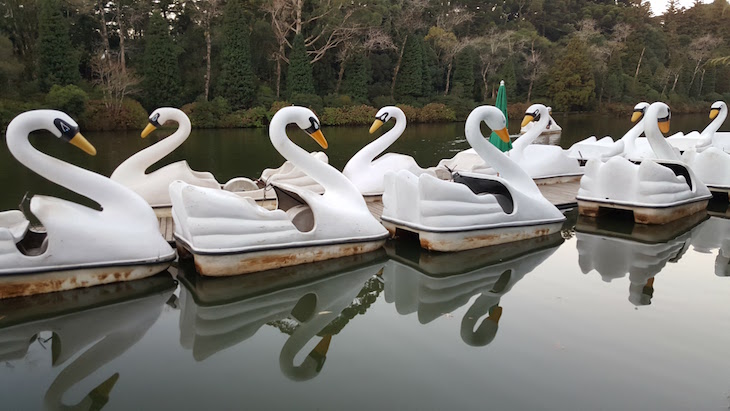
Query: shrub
point(69, 99)
point(276, 106)
point(265, 96)
point(410, 112)
point(348, 116)
point(99, 118)
point(207, 114)
point(382, 101)
point(337, 100)
point(255, 117)
point(435, 113)
point(11, 108)
point(313, 101)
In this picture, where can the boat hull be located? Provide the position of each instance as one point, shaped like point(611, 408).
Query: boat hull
point(21, 285)
point(643, 214)
point(228, 264)
point(448, 241)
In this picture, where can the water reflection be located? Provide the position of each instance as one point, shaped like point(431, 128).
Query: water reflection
point(306, 302)
point(615, 248)
point(435, 284)
point(715, 234)
point(95, 325)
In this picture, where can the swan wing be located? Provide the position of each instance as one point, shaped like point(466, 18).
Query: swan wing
point(219, 219)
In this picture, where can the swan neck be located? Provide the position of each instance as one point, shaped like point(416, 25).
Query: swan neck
point(659, 145)
point(532, 134)
point(379, 145)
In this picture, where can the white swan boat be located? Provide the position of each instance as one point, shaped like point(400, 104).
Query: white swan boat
point(91, 328)
point(431, 284)
point(474, 210)
point(708, 137)
point(606, 148)
point(637, 250)
point(82, 246)
point(710, 162)
point(365, 172)
point(552, 129)
point(655, 191)
point(305, 301)
point(153, 187)
point(546, 164)
point(228, 234)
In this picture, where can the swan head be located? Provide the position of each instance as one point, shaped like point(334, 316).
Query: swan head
point(494, 118)
point(716, 108)
point(639, 111)
point(535, 113)
point(65, 128)
point(383, 115)
point(305, 119)
point(663, 116)
point(161, 116)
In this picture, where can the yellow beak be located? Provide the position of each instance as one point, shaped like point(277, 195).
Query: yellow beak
point(376, 125)
point(147, 130)
point(664, 126)
point(319, 138)
point(636, 116)
point(528, 118)
point(82, 143)
point(503, 134)
point(713, 113)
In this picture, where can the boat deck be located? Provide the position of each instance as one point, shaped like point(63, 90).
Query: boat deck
point(562, 195)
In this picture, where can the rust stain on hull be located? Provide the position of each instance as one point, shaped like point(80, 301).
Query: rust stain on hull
point(246, 263)
point(31, 284)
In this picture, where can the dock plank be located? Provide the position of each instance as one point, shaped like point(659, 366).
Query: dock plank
point(562, 195)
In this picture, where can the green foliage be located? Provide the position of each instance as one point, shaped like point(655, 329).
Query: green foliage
point(464, 73)
point(356, 78)
point(348, 116)
point(312, 101)
point(237, 79)
point(409, 82)
point(382, 101)
point(207, 114)
point(161, 84)
point(410, 112)
point(69, 99)
point(10, 67)
point(572, 85)
point(265, 96)
point(257, 117)
point(435, 113)
point(299, 76)
point(337, 100)
point(11, 108)
point(98, 117)
point(58, 62)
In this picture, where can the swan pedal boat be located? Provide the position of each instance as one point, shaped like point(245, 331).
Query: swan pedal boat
point(655, 191)
point(707, 158)
point(81, 247)
point(473, 210)
point(228, 235)
point(546, 164)
point(367, 173)
point(153, 187)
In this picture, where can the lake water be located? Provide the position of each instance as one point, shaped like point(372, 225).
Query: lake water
point(605, 315)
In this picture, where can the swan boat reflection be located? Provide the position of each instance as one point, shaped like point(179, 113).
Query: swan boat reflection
point(434, 284)
point(93, 326)
point(309, 301)
point(614, 249)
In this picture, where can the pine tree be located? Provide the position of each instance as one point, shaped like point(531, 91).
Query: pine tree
point(571, 80)
point(237, 80)
point(299, 78)
point(410, 77)
point(356, 77)
point(464, 72)
point(58, 62)
point(161, 82)
point(509, 76)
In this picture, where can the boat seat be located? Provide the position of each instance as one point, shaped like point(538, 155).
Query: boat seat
point(16, 223)
point(487, 186)
point(33, 244)
point(302, 217)
point(240, 184)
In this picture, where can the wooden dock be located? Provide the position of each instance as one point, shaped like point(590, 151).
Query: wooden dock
point(562, 195)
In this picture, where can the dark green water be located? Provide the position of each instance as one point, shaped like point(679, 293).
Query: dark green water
point(605, 316)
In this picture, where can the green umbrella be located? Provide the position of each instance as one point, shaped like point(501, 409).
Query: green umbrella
point(502, 105)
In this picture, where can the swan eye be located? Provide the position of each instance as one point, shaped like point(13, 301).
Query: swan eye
point(314, 125)
point(536, 116)
point(67, 130)
point(383, 117)
point(155, 120)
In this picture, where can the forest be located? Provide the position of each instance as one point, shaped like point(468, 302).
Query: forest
point(232, 63)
